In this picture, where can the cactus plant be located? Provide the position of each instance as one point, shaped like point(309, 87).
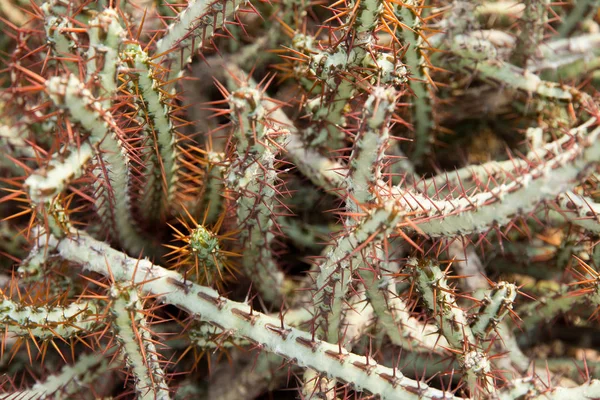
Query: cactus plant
point(225, 199)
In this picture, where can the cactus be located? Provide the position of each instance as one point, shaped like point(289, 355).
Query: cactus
point(392, 199)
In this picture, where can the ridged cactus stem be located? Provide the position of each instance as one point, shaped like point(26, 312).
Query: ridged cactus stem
point(393, 313)
point(45, 322)
point(155, 110)
point(368, 154)
point(192, 30)
point(479, 54)
point(60, 32)
point(497, 302)
point(211, 204)
point(342, 259)
point(106, 38)
point(138, 348)
point(253, 178)
point(497, 206)
point(582, 10)
point(408, 15)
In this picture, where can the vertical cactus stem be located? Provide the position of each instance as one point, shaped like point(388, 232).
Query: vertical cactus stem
point(191, 31)
point(71, 95)
point(268, 332)
point(496, 304)
point(410, 33)
point(321, 170)
point(160, 131)
point(71, 381)
point(368, 153)
point(357, 316)
point(212, 202)
point(452, 320)
point(106, 37)
point(138, 347)
point(335, 69)
point(60, 33)
point(533, 23)
point(254, 178)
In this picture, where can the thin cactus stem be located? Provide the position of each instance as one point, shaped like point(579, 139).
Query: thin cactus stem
point(139, 349)
point(408, 15)
point(254, 176)
point(479, 54)
point(60, 32)
point(333, 69)
point(489, 208)
point(156, 112)
point(534, 20)
point(367, 157)
point(553, 304)
point(342, 259)
point(394, 315)
point(106, 37)
point(212, 196)
point(495, 305)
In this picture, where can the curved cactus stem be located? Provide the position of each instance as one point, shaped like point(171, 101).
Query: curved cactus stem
point(71, 95)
